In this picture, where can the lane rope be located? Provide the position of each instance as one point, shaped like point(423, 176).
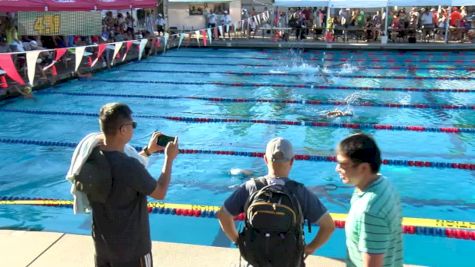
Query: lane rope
point(393, 77)
point(272, 100)
point(456, 54)
point(328, 66)
point(379, 60)
point(309, 123)
point(418, 226)
point(321, 158)
point(299, 86)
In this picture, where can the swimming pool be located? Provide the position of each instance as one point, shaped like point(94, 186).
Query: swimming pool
point(236, 100)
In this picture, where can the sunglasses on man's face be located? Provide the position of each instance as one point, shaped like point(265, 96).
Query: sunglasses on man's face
point(133, 123)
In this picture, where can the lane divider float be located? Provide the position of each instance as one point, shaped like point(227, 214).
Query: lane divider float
point(299, 86)
point(309, 123)
point(321, 158)
point(399, 67)
point(413, 226)
point(272, 100)
point(393, 77)
point(388, 60)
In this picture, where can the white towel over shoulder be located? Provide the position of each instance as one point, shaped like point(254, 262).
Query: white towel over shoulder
point(80, 155)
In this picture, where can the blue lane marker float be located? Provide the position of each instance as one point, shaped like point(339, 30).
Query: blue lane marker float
point(372, 67)
point(297, 86)
point(346, 59)
point(411, 163)
point(393, 77)
point(270, 100)
point(373, 126)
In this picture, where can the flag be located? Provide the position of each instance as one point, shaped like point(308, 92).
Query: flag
point(165, 40)
point(100, 51)
point(210, 36)
point(117, 48)
point(31, 57)
point(6, 64)
point(182, 36)
point(197, 35)
point(142, 45)
point(205, 38)
point(79, 51)
point(128, 44)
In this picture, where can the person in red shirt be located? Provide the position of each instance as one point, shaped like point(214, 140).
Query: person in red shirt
point(455, 17)
point(454, 22)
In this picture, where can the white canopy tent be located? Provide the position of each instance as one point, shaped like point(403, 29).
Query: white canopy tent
point(300, 3)
point(463, 3)
point(357, 3)
point(370, 3)
point(420, 2)
point(373, 4)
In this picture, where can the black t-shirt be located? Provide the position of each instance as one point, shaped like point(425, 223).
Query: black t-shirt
point(311, 206)
point(121, 229)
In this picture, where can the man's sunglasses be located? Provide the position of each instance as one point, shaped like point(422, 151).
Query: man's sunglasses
point(133, 123)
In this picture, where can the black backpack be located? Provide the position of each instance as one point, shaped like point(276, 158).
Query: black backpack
point(273, 231)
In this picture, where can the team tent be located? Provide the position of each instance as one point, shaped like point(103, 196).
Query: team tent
point(70, 5)
point(370, 3)
point(357, 3)
point(73, 5)
point(299, 3)
point(21, 5)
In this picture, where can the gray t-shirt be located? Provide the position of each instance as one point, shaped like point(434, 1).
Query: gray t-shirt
point(121, 229)
point(312, 208)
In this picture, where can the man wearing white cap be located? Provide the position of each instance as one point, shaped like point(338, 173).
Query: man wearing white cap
point(279, 158)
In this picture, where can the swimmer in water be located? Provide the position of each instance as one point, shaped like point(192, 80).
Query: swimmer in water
point(323, 74)
point(242, 172)
point(338, 113)
point(26, 91)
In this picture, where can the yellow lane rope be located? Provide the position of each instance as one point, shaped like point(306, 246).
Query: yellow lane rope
point(407, 221)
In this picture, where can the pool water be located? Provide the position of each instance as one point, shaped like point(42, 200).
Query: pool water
point(185, 74)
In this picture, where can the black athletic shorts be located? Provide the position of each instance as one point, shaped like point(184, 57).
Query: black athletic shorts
point(144, 261)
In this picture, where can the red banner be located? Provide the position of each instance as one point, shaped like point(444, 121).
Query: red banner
point(6, 64)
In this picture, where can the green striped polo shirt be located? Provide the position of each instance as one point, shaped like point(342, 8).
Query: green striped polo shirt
point(373, 224)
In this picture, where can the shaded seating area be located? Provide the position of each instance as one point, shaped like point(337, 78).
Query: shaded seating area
point(383, 20)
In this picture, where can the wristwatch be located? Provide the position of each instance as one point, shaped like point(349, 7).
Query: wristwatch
point(146, 151)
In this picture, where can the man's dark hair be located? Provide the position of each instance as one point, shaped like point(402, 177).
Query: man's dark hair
point(112, 116)
point(361, 148)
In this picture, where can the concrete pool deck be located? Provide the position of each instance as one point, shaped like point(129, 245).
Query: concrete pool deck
point(48, 249)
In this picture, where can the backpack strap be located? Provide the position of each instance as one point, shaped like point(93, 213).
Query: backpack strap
point(293, 186)
point(260, 182)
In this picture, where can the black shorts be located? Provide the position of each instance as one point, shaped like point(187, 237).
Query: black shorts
point(144, 261)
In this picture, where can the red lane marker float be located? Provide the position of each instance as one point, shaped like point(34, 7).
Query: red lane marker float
point(458, 61)
point(270, 100)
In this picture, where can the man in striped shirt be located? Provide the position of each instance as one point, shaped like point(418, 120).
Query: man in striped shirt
point(373, 226)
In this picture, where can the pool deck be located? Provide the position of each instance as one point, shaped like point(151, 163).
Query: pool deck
point(26, 248)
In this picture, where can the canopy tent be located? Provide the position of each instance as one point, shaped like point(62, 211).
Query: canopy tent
point(21, 5)
point(358, 3)
point(370, 3)
point(144, 3)
point(73, 5)
point(113, 4)
point(299, 3)
point(199, 1)
point(70, 5)
point(420, 2)
point(463, 3)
